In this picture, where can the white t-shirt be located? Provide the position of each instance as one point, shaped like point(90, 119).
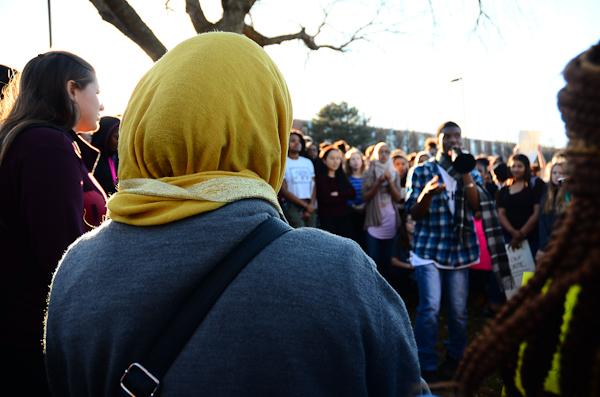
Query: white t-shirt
point(450, 188)
point(300, 177)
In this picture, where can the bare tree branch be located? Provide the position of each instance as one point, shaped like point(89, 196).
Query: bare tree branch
point(323, 23)
point(194, 10)
point(263, 40)
point(432, 13)
point(307, 39)
point(481, 15)
point(121, 15)
point(356, 36)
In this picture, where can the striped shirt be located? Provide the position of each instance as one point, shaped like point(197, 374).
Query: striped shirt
point(357, 185)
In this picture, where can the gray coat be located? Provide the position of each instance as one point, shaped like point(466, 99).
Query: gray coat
point(309, 316)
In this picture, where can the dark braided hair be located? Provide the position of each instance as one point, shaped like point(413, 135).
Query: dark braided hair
point(535, 314)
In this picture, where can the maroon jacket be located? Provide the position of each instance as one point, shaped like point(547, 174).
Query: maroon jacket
point(333, 205)
point(42, 183)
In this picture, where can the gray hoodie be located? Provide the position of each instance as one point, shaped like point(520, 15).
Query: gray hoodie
point(309, 316)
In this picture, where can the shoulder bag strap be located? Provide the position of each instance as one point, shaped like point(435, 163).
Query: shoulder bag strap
point(142, 378)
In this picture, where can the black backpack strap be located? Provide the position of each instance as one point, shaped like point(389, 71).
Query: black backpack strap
point(142, 378)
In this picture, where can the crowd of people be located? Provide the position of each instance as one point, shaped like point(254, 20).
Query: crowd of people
point(385, 202)
point(173, 189)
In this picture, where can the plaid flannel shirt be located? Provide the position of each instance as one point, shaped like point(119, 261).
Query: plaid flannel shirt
point(434, 236)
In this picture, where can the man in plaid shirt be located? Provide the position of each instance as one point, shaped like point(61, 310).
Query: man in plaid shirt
point(442, 201)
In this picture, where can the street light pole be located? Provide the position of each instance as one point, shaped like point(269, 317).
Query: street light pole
point(49, 23)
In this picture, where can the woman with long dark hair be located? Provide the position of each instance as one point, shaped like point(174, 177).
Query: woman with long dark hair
point(333, 192)
point(518, 205)
point(42, 180)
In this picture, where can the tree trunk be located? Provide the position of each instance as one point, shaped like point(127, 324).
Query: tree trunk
point(234, 13)
point(121, 15)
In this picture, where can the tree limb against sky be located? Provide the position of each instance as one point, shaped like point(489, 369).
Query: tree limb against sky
point(234, 18)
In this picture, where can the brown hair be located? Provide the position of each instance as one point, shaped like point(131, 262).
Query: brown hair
point(523, 160)
point(421, 154)
point(535, 314)
point(342, 146)
point(39, 95)
point(430, 143)
point(555, 194)
point(6, 74)
point(411, 157)
point(348, 155)
point(326, 150)
point(369, 152)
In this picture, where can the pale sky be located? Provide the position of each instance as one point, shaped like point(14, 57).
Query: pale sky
point(508, 72)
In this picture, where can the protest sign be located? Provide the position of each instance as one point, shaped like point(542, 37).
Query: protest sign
point(528, 144)
point(520, 261)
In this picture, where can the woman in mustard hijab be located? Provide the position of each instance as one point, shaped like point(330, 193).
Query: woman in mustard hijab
point(202, 152)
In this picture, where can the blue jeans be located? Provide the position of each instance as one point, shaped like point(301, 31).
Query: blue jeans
point(381, 253)
point(454, 285)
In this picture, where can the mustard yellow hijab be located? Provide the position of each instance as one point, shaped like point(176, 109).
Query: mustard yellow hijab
point(208, 125)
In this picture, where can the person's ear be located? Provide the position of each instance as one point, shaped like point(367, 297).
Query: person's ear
point(71, 87)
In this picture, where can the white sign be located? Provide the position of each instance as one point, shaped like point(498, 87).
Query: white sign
point(520, 261)
point(528, 144)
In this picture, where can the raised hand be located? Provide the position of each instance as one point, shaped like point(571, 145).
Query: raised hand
point(434, 186)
